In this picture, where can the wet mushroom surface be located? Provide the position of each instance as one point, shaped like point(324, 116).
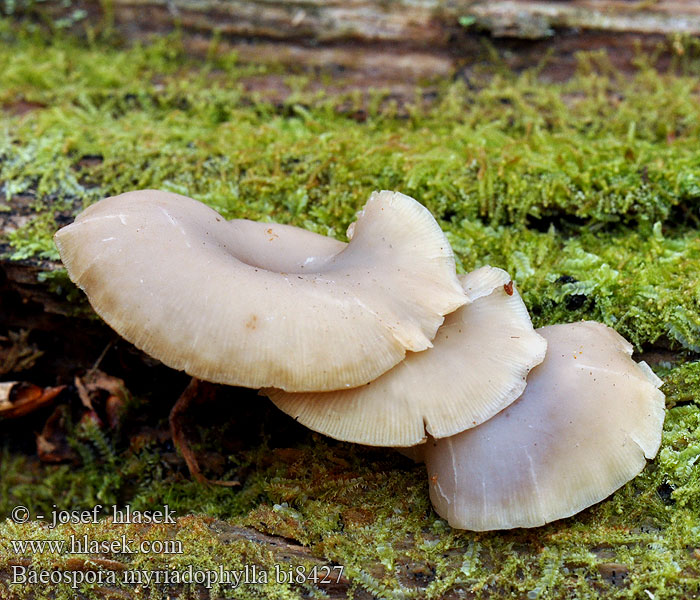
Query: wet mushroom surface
point(264, 305)
point(478, 365)
point(589, 419)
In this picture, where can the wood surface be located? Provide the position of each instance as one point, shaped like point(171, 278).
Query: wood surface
point(382, 40)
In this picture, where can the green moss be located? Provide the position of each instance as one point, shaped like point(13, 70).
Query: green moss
point(596, 180)
point(645, 285)
point(586, 192)
point(368, 510)
point(35, 239)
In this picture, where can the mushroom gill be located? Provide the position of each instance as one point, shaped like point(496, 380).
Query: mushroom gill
point(478, 365)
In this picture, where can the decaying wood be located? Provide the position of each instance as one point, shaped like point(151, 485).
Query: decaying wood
point(19, 279)
point(369, 43)
point(403, 39)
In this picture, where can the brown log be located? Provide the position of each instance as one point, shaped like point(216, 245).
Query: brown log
point(402, 39)
point(19, 279)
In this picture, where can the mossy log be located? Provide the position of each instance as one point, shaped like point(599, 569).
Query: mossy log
point(587, 192)
point(27, 301)
point(263, 552)
point(396, 41)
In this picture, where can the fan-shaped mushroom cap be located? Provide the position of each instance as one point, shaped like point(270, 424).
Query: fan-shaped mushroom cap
point(254, 304)
point(587, 421)
point(478, 365)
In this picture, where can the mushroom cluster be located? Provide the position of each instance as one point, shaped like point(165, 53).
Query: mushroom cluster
point(379, 342)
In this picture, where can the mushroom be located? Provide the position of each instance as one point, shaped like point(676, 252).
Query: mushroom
point(585, 425)
point(257, 304)
point(478, 366)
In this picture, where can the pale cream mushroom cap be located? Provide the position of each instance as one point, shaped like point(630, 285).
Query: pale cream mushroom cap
point(478, 366)
point(585, 425)
point(258, 304)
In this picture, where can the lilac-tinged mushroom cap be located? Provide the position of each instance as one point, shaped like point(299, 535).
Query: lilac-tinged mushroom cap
point(259, 304)
point(585, 425)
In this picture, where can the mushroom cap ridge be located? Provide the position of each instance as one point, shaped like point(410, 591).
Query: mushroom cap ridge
point(208, 296)
point(585, 425)
point(479, 363)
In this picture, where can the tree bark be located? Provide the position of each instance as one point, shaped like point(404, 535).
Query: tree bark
point(403, 39)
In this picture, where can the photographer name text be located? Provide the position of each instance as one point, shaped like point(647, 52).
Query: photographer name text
point(120, 515)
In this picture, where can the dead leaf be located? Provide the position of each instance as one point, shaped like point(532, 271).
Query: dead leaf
point(52, 443)
point(99, 391)
point(19, 398)
point(83, 393)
